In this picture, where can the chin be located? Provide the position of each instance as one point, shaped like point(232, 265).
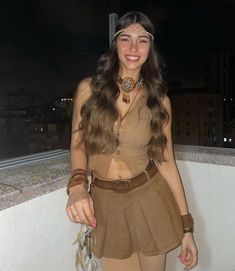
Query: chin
point(133, 67)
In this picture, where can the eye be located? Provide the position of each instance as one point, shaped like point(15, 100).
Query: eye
point(124, 39)
point(143, 41)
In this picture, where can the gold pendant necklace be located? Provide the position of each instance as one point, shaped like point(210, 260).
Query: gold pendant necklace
point(127, 85)
point(121, 118)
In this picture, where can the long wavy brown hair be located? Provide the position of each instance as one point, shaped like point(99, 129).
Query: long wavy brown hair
point(99, 113)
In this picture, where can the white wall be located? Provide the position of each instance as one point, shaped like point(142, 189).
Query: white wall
point(210, 192)
point(38, 236)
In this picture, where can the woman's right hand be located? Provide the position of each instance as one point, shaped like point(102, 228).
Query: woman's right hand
point(80, 207)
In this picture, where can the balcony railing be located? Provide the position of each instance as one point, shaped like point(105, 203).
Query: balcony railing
point(35, 233)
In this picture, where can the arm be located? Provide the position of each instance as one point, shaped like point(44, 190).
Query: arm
point(78, 154)
point(168, 169)
point(170, 173)
point(80, 205)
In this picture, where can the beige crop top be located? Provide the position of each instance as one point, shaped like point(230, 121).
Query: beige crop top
point(134, 135)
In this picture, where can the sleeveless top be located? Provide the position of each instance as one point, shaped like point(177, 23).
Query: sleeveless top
point(134, 135)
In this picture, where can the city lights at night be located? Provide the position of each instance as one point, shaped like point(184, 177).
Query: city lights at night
point(117, 135)
point(47, 47)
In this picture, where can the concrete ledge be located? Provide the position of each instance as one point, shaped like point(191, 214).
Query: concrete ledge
point(207, 155)
point(24, 182)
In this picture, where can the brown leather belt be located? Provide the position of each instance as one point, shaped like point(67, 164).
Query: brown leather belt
point(126, 185)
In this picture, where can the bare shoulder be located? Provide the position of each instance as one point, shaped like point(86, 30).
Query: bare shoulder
point(166, 102)
point(83, 90)
point(85, 83)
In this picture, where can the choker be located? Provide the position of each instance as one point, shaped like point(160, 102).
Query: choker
point(127, 85)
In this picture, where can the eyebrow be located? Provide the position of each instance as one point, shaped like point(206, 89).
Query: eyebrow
point(139, 36)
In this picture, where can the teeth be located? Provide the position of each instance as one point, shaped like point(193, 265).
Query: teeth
point(132, 57)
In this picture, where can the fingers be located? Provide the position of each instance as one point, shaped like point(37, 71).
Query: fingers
point(82, 212)
point(70, 215)
point(191, 259)
point(182, 256)
point(78, 214)
point(88, 213)
point(73, 214)
point(188, 258)
point(188, 255)
point(91, 206)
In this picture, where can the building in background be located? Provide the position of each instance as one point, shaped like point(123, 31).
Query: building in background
point(29, 124)
point(49, 135)
point(197, 117)
point(220, 79)
point(53, 129)
point(65, 103)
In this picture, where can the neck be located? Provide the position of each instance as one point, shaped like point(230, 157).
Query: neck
point(133, 74)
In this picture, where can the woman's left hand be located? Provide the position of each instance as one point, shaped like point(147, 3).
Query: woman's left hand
point(188, 255)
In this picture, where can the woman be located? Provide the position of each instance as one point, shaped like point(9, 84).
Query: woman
point(121, 132)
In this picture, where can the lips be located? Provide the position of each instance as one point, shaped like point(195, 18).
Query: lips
point(132, 58)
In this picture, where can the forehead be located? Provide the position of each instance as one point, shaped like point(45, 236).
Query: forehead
point(135, 30)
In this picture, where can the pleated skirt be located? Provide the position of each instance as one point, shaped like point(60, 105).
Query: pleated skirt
point(146, 220)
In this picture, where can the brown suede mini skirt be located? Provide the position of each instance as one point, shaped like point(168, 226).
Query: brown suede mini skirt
point(146, 220)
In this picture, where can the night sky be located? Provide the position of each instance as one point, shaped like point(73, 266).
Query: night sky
point(47, 46)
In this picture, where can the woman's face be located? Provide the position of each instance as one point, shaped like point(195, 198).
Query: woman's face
point(133, 46)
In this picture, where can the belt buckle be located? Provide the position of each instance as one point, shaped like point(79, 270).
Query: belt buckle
point(116, 183)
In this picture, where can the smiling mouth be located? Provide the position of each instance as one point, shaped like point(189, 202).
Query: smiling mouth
point(132, 58)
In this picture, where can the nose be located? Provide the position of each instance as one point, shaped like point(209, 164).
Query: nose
point(133, 46)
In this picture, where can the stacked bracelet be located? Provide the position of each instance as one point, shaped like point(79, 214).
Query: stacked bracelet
point(187, 223)
point(78, 176)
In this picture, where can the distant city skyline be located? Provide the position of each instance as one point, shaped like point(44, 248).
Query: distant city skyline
point(48, 46)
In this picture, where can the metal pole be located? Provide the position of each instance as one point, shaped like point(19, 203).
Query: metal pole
point(113, 17)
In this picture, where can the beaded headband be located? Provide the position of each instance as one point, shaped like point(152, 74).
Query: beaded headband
point(133, 29)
